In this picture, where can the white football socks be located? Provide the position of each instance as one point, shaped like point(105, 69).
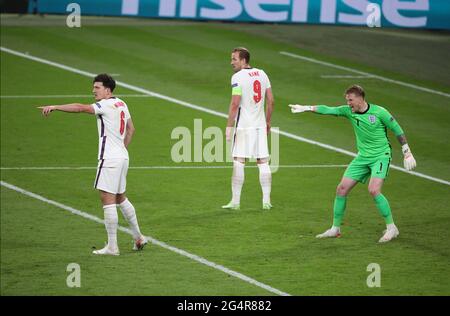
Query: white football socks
point(265, 179)
point(129, 213)
point(111, 223)
point(237, 180)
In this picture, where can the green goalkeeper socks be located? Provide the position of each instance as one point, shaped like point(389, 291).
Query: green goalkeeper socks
point(384, 208)
point(380, 200)
point(339, 209)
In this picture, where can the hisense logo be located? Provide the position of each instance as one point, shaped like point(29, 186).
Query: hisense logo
point(356, 12)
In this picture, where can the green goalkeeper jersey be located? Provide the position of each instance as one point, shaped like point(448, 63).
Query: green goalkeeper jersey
point(370, 128)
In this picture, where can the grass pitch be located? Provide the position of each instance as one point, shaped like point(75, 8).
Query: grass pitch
point(190, 62)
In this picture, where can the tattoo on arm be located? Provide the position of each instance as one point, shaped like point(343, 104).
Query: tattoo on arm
point(402, 139)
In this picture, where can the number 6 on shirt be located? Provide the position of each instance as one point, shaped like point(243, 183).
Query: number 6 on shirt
point(122, 122)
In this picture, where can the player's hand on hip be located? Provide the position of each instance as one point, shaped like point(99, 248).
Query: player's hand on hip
point(228, 133)
point(297, 108)
point(46, 109)
point(408, 159)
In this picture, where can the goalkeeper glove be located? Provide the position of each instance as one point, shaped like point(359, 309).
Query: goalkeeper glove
point(408, 159)
point(297, 108)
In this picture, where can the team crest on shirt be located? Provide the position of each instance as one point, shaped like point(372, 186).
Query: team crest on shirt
point(372, 119)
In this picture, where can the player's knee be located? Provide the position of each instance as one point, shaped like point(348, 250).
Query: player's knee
point(262, 161)
point(120, 198)
point(241, 160)
point(374, 191)
point(107, 198)
point(342, 189)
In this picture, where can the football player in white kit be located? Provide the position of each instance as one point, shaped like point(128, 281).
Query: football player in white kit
point(251, 89)
point(115, 129)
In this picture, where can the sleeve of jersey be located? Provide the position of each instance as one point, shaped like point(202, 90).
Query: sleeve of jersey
point(236, 88)
point(268, 85)
point(99, 107)
point(332, 110)
point(391, 123)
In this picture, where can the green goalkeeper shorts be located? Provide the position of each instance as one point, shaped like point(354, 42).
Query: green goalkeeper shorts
point(360, 169)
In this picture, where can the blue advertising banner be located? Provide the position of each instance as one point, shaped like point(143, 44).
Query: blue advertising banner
point(433, 14)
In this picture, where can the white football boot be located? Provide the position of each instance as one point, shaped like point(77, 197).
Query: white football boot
point(390, 233)
point(140, 243)
point(267, 206)
point(333, 232)
point(107, 251)
point(232, 206)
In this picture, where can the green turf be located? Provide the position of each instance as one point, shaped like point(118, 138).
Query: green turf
point(190, 62)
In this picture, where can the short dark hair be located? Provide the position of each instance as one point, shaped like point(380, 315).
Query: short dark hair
point(243, 53)
point(356, 90)
point(107, 80)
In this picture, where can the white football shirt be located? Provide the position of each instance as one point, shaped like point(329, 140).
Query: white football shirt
point(112, 116)
point(251, 84)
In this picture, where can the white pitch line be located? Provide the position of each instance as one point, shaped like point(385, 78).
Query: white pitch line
point(323, 63)
point(206, 110)
point(169, 167)
point(69, 96)
point(344, 77)
point(153, 240)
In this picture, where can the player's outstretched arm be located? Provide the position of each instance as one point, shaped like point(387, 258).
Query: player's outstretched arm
point(320, 109)
point(71, 108)
point(408, 159)
point(297, 108)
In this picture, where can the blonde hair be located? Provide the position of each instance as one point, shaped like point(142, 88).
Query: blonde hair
point(356, 90)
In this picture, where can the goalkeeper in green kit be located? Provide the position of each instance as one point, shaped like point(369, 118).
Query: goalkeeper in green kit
point(370, 123)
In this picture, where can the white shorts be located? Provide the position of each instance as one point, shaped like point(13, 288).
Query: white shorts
point(250, 143)
point(112, 175)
